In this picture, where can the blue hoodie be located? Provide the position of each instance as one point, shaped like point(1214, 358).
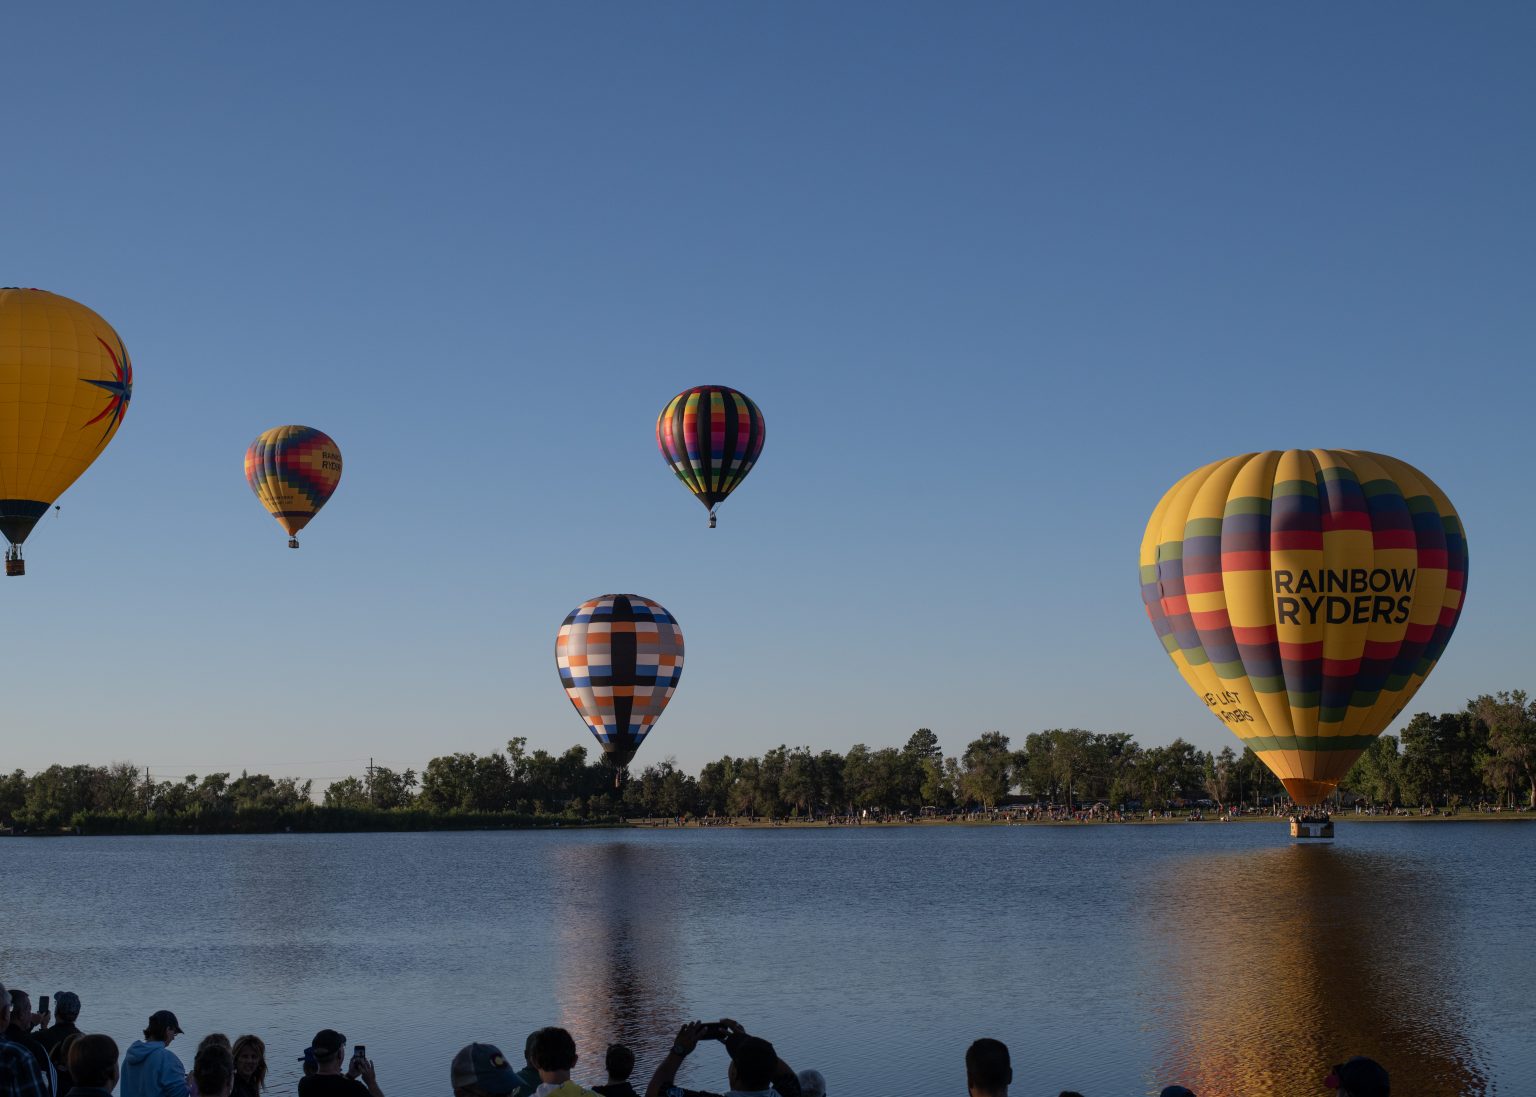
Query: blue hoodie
point(151, 1070)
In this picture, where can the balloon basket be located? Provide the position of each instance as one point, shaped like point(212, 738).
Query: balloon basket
point(14, 564)
point(711, 519)
point(1311, 828)
point(293, 542)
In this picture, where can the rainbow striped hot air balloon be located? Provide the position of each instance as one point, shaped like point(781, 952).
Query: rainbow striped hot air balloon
point(620, 657)
point(1305, 595)
point(65, 384)
point(711, 436)
point(293, 470)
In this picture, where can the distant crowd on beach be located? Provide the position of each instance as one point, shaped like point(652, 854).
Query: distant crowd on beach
point(45, 1053)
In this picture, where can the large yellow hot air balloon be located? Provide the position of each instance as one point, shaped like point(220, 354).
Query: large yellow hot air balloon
point(65, 383)
point(1304, 595)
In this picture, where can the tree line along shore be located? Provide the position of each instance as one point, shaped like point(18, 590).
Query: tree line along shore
point(1479, 760)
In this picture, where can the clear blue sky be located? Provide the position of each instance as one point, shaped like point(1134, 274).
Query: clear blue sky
point(997, 275)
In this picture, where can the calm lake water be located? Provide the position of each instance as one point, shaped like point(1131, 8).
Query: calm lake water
point(1111, 961)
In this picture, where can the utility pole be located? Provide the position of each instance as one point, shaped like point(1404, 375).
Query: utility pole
point(372, 799)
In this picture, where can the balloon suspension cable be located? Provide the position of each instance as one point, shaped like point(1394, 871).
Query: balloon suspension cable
point(293, 542)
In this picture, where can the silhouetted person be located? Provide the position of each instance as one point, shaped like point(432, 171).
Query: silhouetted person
point(1360, 1077)
point(19, 1072)
point(66, 1011)
point(92, 1065)
point(481, 1070)
point(553, 1051)
point(330, 1051)
point(755, 1071)
point(812, 1084)
point(619, 1062)
point(988, 1070)
point(214, 1070)
point(19, 1030)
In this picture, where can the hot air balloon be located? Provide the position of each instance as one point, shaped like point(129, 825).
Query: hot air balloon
point(1305, 595)
point(711, 436)
point(293, 470)
point(65, 383)
point(620, 657)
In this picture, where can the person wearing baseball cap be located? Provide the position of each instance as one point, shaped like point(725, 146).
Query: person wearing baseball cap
point(150, 1068)
point(481, 1070)
point(329, 1048)
point(1359, 1077)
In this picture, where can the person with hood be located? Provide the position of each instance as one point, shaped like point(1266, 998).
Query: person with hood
point(150, 1069)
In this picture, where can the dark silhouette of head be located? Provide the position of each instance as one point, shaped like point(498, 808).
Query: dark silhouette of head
point(552, 1049)
point(93, 1061)
point(619, 1062)
point(988, 1070)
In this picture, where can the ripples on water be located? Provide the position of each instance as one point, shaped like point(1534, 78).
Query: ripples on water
point(1112, 961)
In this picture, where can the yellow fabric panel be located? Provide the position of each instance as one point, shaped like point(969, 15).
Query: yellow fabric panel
point(50, 348)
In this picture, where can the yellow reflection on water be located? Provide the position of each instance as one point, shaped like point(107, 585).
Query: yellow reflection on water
point(1277, 963)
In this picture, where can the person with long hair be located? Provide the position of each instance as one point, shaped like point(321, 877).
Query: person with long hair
point(250, 1066)
point(213, 1039)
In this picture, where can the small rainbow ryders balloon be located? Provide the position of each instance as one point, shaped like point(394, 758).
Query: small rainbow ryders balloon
point(620, 657)
point(1305, 595)
point(293, 470)
point(65, 384)
point(711, 436)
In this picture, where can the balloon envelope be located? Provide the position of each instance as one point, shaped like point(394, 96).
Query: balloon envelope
point(620, 658)
point(711, 436)
point(293, 470)
point(65, 383)
point(1304, 595)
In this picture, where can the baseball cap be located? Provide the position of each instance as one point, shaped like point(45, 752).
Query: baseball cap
point(328, 1041)
point(164, 1019)
point(1362, 1077)
point(485, 1067)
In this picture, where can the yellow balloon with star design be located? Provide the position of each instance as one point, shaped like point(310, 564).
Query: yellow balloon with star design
point(65, 383)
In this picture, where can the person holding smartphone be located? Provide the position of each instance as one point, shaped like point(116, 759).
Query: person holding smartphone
point(330, 1051)
point(755, 1071)
point(66, 1011)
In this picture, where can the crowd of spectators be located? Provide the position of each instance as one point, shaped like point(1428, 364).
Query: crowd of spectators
point(39, 1059)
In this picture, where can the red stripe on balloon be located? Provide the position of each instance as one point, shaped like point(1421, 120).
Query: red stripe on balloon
point(1245, 561)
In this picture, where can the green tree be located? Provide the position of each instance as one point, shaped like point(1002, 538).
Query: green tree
point(1376, 774)
point(1442, 758)
point(1221, 775)
point(1510, 720)
point(985, 769)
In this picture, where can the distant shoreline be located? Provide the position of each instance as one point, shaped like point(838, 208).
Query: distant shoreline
point(822, 824)
point(724, 823)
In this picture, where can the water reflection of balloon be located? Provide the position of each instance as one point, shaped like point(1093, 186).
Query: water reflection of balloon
point(1304, 595)
point(711, 436)
point(620, 657)
point(619, 962)
point(1266, 992)
point(293, 470)
point(65, 384)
